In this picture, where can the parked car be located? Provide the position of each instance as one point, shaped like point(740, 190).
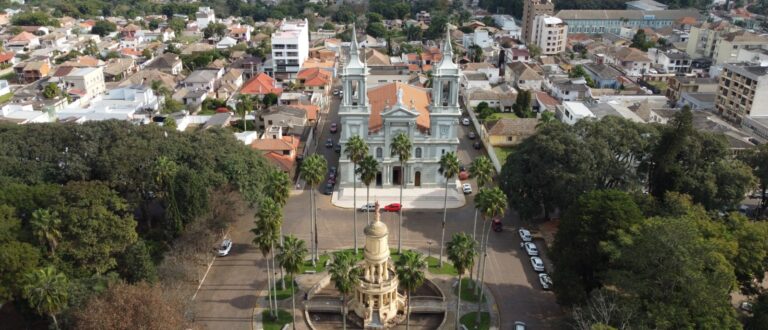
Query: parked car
point(336, 92)
point(463, 175)
point(754, 141)
point(545, 280)
point(530, 248)
point(331, 174)
point(525, 235)
point(497, 226)
point(394, 207)
point(337, 148)
point(466, 188)
point(465, 121)
point(332, 180)
point(334, 127)
point(329, 143)
point(519, 325)
point(477, 145)
point(225, 247)
point(537, 263)
point(328, 189)
point(370, 207)
point(471, 135)
point(332, 169)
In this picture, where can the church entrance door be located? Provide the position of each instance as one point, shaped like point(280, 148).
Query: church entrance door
point(417, 179)
point(396, 175)
point(378, 179)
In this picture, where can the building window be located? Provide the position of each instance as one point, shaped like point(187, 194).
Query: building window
point(278, 53)
point(293, 53)
point(418, 152)
point(278, 46)
point(293, 47)
point(379, 152)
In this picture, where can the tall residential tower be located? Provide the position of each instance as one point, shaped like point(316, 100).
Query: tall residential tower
point(531, 9)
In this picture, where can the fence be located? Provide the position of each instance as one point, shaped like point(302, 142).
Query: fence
point(483, 135)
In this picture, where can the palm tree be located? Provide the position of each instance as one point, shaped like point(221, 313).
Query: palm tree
point(482, 170)
point(265, 233)
point(291, 256)
point(492, 203)
point(449, 166)
point(164, 170)
point(279, 190)
point(45, 226)
point(368, 168)
point(356, 150)
point(410, 272)
point(244, 106)
point(312, 171)
point(461, 251)
point(401, 146)
point(345, 275)
point(46, 291)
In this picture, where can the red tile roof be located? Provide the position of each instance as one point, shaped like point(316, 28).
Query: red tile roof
point(384, 96)
point(314, 77)
point(261, 84)
point(24, 36)
point(7, 56)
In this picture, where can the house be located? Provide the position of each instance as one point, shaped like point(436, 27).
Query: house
point(120, 68)
point(545, 102)
point(677, 86)
point(523, 76)
point(205, 16)
point(240, 32)
point(122, 103)
point(475, 80)
point(507, 132)
point(288, 117)
point(7, 59)
point(28, 72)
point(169, 63)
point(632, 61)
point(481, 38)
point(488, 69)
point(5, 88)
point(226, 43)
point(261, 85)
point(229, 83)
point(603, 75)
point(278, 149)
point(201, 80)
point(516, 55)
point(569, 89)
point(249, 65)
point(315, 79)
point(85, 83)
point(572, 112)
point(191, 98)
point(23, 42)
point(700, 101)
point(147, 76)
point(670, 61)
point(502, 100)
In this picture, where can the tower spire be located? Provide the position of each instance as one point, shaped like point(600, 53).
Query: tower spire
point(353, 47)
point(447, 47)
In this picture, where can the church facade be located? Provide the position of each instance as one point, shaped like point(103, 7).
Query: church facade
point(429, 117)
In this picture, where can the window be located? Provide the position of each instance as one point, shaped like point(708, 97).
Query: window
point(379, 152)
point(509, 139)
point(293, 54)
point(293, 61)
point(442, 152)
point(278, 46)
point(278, 53)
point(293, 47)
point(418, 152)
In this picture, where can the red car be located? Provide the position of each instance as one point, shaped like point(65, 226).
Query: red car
point(394, 207)
point(334, 127)
point(463, 175)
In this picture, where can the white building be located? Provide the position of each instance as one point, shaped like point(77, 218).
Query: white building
point(85, 83)
point(572, 112)
point(290, 47)
point(507, 24)
point(205, 16)
point(550, 34)
point(481, 37)
point(381, 113)
point(121, 103)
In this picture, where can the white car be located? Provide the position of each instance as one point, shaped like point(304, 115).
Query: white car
point(537, 263)
point(370, 207)
point(465, 121)
point(467, 188)
point(530, 248)
point(226, 245)
point(525, 235)
point(545, 280)
point(520, 325)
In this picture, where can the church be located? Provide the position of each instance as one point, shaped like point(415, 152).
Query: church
point(429, 117)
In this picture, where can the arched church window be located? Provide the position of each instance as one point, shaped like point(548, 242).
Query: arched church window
point(379, 152)
point(418, 153)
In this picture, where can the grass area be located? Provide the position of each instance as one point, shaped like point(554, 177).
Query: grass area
point(661, 85)
point(469, 319)
point(502, 153)
point(500, 115)
point(283, 318)
point(6, 98)
point(467, 292)
point(188, 39)
point(432, 262)
point(286, 292)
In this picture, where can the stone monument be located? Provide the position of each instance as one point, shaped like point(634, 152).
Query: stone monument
point(376, 300)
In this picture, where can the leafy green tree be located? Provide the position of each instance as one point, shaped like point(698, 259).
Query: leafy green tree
point(476, 53)
point(177, 25)
point(103, 28)
point(374, 17)
point(329, 26)
point(401, 147)
point(757, 159)
point(243, 107)
point(367, 169)
point(356, 149)
point(147, 53)
point(579, 72)
point(17, 257)
point(449, 167)
point(46, 292)
point(750, 261)
point(759, 319)
point(131, 306)
point(345, 276)
point(33, 18)
point(641, 41)
point(586, 242)
point(522, 106)
point(436, 27)
point(376, 30)
point(313, 170)
point(269, 100)
point(291, 257)
point(153, 24)
point(462, 250)
point(45, 226)
point(51, 91)
point(135, 264)
point(214, 30)
point(410, 269)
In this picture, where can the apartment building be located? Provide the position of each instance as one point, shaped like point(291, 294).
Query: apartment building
point(742, 91)
point(702, 37)
point(531, 9)
point(290, 47)
point(85, 83)
point(727, 47)
point(613, 21)
point(550, 34)
point(205, 16)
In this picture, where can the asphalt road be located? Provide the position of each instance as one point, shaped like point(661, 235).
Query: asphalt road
point(226, 298)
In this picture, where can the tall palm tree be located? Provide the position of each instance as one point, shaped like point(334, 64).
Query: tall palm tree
point(164, 170)
point(46, 290)
point(291, 256)
point(449, 166)
point(243, 107)
point(401, 146)
point(356, 150)
point(313, 171)
point(461, 252)
point(345, 275)
point(266, 234)
point(279, 190)
point(492, 204)
point(45, 226)
point(368, 169)
point(410, 272)
point(482, 170)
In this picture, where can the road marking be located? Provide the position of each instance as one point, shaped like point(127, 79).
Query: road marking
point(206, 272)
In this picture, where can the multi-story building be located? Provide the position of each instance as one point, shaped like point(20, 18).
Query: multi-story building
point(702, 37)
point(612, 21)
point(677, 86)
point(633, 61)
point(550, 34)
point(205, 16)
point(531, 9)
point(670, 61)
point(290, 47)
point(742, 91)
point(380, 113)
point(85, 83)
point(727, 47)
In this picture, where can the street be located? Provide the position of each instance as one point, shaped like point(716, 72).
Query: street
point(227, 297)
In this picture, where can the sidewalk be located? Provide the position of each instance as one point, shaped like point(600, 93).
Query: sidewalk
point(413, 198)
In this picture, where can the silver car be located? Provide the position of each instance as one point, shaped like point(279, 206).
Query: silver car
point(530, 248)
point(545, 280)
point(537, 263)
point(525, 235)
point(225, 247)
point(370, 207)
